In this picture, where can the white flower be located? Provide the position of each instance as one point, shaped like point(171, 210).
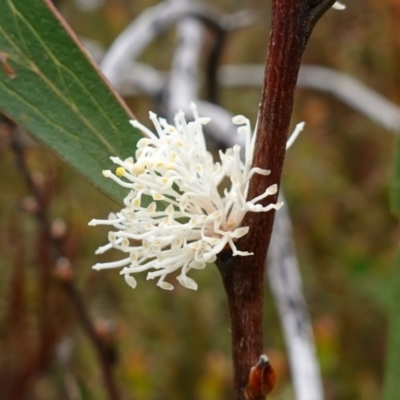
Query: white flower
point(339, 6)
point(188, 222)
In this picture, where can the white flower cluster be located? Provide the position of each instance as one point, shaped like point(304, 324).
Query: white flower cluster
point(188, 221)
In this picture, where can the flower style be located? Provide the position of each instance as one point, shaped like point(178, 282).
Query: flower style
point(339, 6)
point(188, 221)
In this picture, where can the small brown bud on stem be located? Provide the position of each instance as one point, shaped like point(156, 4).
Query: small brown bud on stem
point(261, 380)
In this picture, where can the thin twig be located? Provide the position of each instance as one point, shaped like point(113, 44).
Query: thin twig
point(68, 285)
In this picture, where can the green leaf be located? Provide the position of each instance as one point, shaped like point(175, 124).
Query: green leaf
point(391, 388)
point(50, 86)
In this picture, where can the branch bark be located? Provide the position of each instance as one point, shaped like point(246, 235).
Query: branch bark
point(291, 25)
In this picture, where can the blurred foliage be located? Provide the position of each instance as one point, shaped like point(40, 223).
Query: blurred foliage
point(391, 388)
point(177, 345)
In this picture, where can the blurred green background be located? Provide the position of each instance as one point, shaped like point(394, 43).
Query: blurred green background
point(176, 345)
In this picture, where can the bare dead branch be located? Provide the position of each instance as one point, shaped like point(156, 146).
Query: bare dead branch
point(184, 75)
point(146, 27)
point(353, 93)
point(156, 20)
point(341, 85)
point(286, 286)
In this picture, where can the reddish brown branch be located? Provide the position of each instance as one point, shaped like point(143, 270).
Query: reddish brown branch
point(243, 277)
